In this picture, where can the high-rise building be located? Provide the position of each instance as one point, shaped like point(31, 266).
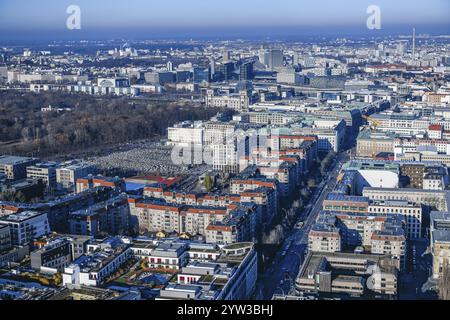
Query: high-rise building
point(226, 56)
point(212, 66)
point(275, 59)
point(296, 58)
point(226, 70)
point(263, 56)
point(202, 75)
point(246, 71)
point(169, 66)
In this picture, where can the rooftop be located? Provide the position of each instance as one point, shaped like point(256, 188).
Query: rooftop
point(14, 160)
point(343, 197)
point(441, 236)
point(21, 216)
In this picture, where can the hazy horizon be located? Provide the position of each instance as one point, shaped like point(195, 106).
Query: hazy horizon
point(139, 19)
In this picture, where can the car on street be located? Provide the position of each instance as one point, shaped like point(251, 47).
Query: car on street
point(299, 225)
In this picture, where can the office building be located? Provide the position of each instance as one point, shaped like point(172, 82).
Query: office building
point(46, 172)
point(347, 275)
point(15, 168)
point(69, 172)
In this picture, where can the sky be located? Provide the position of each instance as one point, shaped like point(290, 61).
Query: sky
point(121, 17)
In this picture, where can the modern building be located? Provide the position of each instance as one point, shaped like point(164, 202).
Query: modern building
point(26, 226)
point(231, 275)
point(69, 172)
point(201, 75)
point(5, 238)
point(165, 255)
point(94, 268)
point(46, 172)
point(55, 255)
point(15, 168)
point(110, 217)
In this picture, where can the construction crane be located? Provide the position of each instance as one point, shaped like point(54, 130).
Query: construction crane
point(374, 123)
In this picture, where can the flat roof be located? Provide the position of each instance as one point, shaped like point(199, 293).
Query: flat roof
point(342, 197)
point(441, 236)
point(21, 216)
point(13, 160)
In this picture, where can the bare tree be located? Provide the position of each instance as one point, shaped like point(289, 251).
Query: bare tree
point(444, 282)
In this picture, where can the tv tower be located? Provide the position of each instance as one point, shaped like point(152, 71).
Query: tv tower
point(414, 43)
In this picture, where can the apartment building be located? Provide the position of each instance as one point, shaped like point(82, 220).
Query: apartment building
point(94, 268)
point(69, 172)
point(375, 233)
point(46, 172)
point(284, 173)
point(197, 219)
point(324, 238)
point(230, 276)
point(155, 216)
point(165, 255)
point(109, 217)
point(239, 226)
point(5, 238)
point(56, 254)
point(26, 226)
point(90, 182)
point(391, 242)
point(434, 182)
point(15, 168)
point(265, 199)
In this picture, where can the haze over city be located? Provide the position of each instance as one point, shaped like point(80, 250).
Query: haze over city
point(199, 18)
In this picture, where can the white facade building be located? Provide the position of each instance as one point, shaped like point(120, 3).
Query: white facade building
point(26, 226)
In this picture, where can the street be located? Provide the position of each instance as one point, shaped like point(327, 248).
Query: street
point(280, 277)
point(419, 268)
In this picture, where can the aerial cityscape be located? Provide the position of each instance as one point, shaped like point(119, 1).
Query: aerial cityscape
point(240, 157)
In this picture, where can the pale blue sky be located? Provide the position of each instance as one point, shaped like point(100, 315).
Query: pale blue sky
point(147, 19)
point(51, 14)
